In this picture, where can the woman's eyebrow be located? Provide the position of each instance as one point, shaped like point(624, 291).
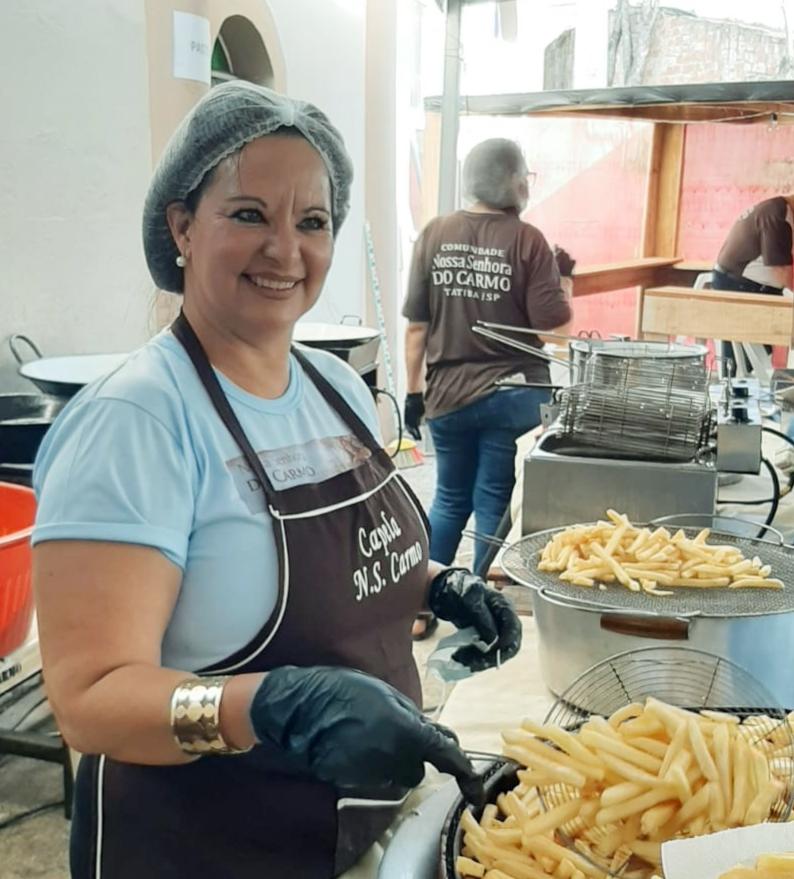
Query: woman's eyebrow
point(317, 208)
point(247, 198)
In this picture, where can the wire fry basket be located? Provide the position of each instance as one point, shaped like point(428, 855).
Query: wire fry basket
point(679, 676)
point(622, 373)
point(665, 424)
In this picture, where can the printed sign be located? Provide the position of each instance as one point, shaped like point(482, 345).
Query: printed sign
point(471, 272)
point(192, 47)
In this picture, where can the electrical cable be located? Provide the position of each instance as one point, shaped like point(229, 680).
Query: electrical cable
point(774, 500)
point(399, 418)
point(30, 813)
point(775, 491)
point(779, 433)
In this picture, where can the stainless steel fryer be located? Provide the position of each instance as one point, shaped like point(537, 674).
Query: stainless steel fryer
point(578, 626)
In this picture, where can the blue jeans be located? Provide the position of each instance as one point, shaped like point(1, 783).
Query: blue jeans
point(475, 460)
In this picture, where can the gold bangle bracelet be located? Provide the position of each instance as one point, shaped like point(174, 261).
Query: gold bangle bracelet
point(195, 717)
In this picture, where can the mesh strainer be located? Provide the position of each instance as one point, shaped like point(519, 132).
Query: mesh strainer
point(681, 676)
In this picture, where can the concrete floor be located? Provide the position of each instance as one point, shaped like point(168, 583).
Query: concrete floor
point(37, 847)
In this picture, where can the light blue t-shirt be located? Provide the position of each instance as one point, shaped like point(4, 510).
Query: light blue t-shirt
point(142, 457)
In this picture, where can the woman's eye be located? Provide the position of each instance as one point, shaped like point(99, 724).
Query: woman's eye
point(314, 224)
point(248, 215)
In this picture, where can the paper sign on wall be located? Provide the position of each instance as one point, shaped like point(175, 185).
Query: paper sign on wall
point(192, 47)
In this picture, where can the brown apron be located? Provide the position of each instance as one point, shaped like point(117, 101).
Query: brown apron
point(352, 554)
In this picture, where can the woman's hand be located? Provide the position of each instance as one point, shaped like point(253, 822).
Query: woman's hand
point(413, 414)
point(565, 262)
point(465, 600)
point(350, 729)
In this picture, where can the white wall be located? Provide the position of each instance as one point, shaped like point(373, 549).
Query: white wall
point(324, 46)
point(75, 146)
point(75, 153)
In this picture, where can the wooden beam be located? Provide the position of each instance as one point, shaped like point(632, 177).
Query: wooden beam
point(431, 157)
point(663, 193)
point(717, 314)
point(617, 275)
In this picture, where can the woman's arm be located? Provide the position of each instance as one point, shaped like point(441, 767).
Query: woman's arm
point(102, 611)
point(415, 346)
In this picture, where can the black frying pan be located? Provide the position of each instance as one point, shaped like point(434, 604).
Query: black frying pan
point(24, 419)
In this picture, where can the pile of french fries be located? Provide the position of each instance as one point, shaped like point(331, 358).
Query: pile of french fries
point(771, 866)
point(606, 797)
point(653, 561)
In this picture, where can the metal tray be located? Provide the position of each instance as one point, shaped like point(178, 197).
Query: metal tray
point(520, 560)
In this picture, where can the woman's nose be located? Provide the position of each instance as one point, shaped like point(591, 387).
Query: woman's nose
point(281, 244)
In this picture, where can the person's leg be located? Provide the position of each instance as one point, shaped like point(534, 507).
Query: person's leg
point(506, 416)
point(456, 463)
point(455, 446)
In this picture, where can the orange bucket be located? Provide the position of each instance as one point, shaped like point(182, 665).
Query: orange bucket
point(17, 514)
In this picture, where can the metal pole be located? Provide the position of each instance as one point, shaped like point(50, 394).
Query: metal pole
point(448, 159)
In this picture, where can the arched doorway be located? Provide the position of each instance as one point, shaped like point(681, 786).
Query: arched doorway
point(240, 53)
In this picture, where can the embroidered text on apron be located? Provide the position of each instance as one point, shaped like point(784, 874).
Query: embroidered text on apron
point(352, 554)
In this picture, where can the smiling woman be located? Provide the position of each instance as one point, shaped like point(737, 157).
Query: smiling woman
point(256, 247)
point(197, 564)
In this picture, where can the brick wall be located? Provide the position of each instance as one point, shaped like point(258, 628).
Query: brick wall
point(671, 47)
point(686, 49)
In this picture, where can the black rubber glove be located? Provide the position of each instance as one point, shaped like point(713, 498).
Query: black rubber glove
point(465, 600)
point(565, 263)
point(353, 730)
point(414, 413)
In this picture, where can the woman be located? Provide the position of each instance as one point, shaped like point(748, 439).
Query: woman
point(479, 264)
point(227, 630)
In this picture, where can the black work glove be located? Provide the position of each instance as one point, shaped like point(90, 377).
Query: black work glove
point(414, 413)
point(353, 730)
point(465, 600)
point(565, 263)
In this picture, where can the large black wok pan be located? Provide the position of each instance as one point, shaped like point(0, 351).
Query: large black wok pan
point(24, 419)
point(62, 376)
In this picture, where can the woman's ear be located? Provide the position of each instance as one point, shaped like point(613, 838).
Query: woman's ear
point(180, 220)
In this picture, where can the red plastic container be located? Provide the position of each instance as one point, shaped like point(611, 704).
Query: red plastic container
point(17, 514)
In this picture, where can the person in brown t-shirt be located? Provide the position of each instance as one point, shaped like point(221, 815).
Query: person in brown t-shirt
point(479, 264)
point(757, 254)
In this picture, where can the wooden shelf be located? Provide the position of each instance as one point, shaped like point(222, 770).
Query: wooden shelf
point(716, 314)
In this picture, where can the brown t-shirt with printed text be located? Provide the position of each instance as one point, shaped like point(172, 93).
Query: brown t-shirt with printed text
point(761, 233)
point(474, 266)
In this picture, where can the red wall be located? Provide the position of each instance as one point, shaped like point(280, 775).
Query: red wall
point(596, 210)
point(728, 168)
point(590, 191)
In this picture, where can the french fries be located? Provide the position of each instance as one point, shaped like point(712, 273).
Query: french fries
point(652, 561)
point(606, 796)
point(772, 866)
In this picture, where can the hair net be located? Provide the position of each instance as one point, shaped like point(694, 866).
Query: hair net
point(492, 171)
point(222, 122)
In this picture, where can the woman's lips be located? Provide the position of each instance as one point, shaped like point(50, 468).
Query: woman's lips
point(272, 283)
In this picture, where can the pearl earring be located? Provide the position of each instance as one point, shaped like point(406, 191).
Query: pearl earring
point(181, 261)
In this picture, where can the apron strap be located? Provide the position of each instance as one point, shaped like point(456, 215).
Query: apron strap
point(337, 402)
point(190, 342)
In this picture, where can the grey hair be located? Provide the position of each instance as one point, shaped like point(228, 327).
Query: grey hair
point(227, 118)
point(493, 173)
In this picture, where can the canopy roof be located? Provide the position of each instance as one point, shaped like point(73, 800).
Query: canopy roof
point(740, 102)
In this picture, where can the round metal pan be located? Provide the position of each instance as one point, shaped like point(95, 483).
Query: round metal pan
point(62, 376)
point(334, 335)
point(24, 419)
point(520, 561)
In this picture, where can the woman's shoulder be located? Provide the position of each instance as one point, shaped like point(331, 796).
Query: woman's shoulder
point(142, 400)
point(154, 379)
